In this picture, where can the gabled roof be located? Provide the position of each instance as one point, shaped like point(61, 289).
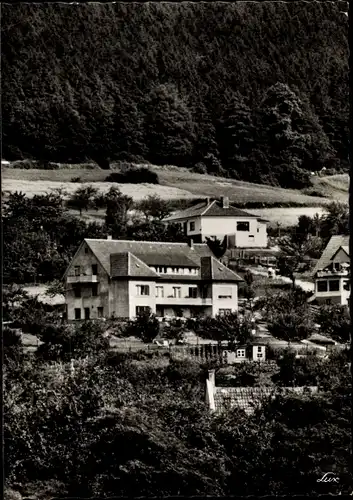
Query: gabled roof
point(104, 249)
point(344, 248)
point(212, 269)
point(168, 259)
point(248, 398)
point(213, 209)
point(332, 246)
point(127, 264)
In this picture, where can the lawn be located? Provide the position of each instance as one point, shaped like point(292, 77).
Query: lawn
point(174, 183)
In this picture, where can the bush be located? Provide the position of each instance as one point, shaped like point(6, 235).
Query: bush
point(200, 168)
point(76, 179)
point(134, 176)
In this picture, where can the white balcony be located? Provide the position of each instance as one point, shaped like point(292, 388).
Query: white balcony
point(91, 278)
point(326, 273)
point(183, 301)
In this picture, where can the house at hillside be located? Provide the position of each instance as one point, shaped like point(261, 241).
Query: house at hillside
point(218, 219)
point(256, 351)
point(220, 399)
point(332, 273)
point(124, 278)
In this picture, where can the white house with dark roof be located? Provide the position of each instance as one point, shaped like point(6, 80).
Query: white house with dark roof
point(332, 273)
point(219, 219)
point(123, 278)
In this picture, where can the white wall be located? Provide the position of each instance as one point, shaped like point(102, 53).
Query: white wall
point(217, 303)
point(141, 300)
point(221, 226)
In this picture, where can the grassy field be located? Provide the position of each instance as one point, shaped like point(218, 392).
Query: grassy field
point(334, 186)
point(174, 183)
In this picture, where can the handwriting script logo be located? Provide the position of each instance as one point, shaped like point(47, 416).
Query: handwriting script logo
point(326, 478)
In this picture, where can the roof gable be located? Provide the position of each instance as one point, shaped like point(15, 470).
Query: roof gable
point(344, 249)
point(103, 249)
point(128, 265)
point(332, 247)
point(213, 209)
point(213, 269)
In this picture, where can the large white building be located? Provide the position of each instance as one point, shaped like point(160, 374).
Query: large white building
point(123, 278)
point(218, 219)
point(332, 273)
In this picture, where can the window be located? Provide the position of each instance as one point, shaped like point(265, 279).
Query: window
point(259, 355)
point(251, 236)
point(224, 312)
point(77, 291)
point(87, 312)
point(77, 270)
point(159, 291)
point(94, 290)
point(243, 226)
point(77, 313)
point(241, 353)
point(143, 290)
point(259, 348)
point(86, 249)
point(346, 285)
point(225, 293)
point(94, 269)
point(192, 226)
point(193, 292)
point(142, 309)
point(100, 312)
point(322, 286)
point(334, 285)
point(176, 292)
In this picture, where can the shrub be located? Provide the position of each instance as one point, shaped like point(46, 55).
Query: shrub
point(134, 176)
point(76, 179)
point(200, 168)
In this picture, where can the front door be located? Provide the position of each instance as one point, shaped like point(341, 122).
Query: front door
point(87, 311)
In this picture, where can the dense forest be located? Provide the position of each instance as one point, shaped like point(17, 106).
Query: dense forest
point(254, 91)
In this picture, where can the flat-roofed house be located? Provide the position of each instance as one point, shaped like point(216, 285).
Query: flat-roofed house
point(219, 219)
point(123, 278)
point(332, 273)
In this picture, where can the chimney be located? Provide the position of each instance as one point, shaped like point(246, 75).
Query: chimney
point(212, 378)
point(109, 237)
point(191, 243)
point(208, 201)
point(225, 201)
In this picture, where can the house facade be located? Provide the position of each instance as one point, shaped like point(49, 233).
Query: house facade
point(218, 219)
point(332, 273)
point(108, 278)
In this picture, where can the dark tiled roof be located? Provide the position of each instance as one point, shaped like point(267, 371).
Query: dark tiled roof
point(103, 249)
point(212, 269)
point(169, 259)
point(332, 246)
point(248, 398)
point(214, 209)
point(127, 264)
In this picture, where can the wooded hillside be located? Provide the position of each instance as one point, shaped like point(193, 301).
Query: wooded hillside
point(256, 91)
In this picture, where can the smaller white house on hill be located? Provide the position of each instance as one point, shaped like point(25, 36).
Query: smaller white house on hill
point(218, 219)
point(332, 273)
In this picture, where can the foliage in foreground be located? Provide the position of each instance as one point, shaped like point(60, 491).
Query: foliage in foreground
point(108, 426)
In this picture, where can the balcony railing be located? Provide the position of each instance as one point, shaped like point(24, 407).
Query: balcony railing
point(91, 278)
point(327, 273)
point(183, 301)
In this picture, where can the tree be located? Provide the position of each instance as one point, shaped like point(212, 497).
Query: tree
point(236, 135)
point(292, 326)
point(336, 221)
point(153, 207)
point(334, 322)
point(82, 198)
point(217, 246)
point(231, 327)
point(293, 250)
point(145, 326)
point(116, 216)
point(168, 127)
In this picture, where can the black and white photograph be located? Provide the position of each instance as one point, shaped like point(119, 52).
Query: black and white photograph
point(175, 249)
